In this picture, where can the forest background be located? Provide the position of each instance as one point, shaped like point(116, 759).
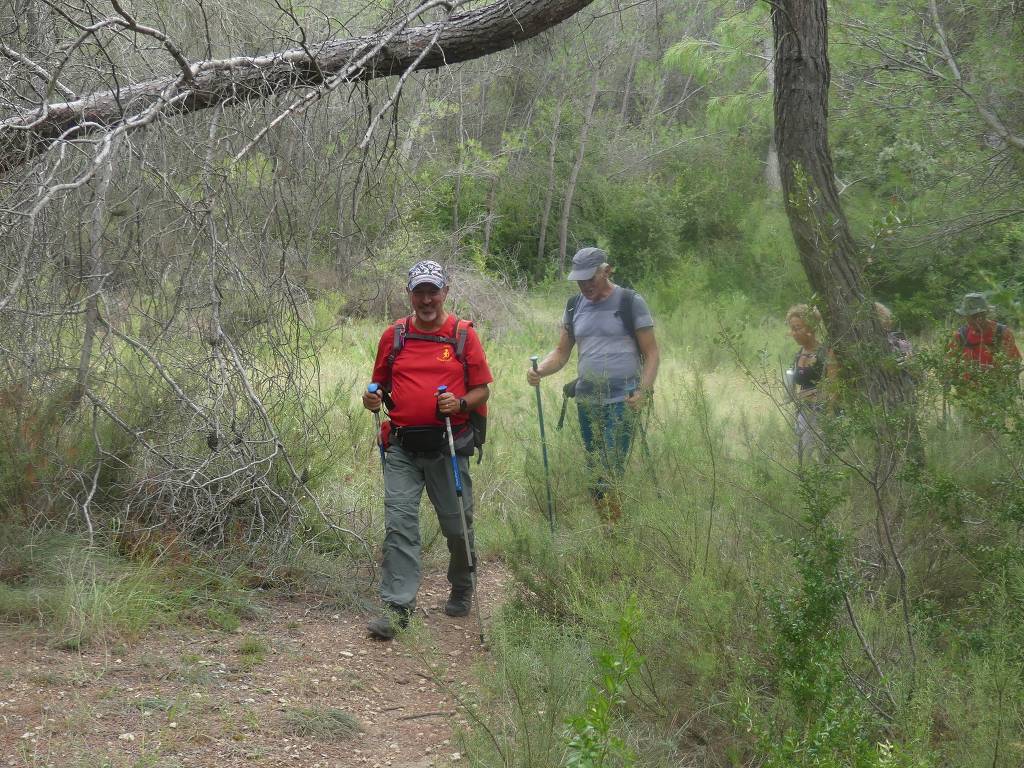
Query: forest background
point(191, 306)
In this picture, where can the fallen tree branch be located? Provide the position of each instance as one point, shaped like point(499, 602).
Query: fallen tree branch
point(242, 79)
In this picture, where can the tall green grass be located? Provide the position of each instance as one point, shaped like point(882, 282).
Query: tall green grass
point(745, 571)
point(768, 621)
point(83, 595)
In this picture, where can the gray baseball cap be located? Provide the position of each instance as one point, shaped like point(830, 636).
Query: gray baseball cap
point(974, 304)
point(585, 263)
point(427, 272)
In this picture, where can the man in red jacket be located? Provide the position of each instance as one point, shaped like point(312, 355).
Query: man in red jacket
point(981, 342)
point(416, 355)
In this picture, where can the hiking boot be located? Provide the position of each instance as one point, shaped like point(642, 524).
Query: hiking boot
point(609, 508)
point(459, 602)
point(614, 506)
point(392, 621)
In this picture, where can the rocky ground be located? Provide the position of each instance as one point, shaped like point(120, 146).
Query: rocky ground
point(302, 685)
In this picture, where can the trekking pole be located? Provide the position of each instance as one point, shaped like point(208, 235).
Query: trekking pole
point(561, 414)
point(544, 451)
point(645, 448)
point(374, 389)
point(462, 515)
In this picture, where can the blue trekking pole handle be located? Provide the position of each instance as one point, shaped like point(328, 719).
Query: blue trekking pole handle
point(451, 448)
point(374, 389)
point(544, 450)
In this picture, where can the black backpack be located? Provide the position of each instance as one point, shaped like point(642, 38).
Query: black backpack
point(478, 416)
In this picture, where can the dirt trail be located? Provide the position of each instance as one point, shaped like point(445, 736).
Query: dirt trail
point(278, 692)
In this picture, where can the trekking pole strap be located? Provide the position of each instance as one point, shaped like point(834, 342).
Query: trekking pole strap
point(451, 448)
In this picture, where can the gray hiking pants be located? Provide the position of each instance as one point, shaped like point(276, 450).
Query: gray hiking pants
point(405, 476)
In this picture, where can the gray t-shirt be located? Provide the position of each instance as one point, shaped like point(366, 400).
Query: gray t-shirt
point(609, 361)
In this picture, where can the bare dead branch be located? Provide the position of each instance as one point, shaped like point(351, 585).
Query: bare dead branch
point(248, 78)
point(134, 26)
point(32, 66)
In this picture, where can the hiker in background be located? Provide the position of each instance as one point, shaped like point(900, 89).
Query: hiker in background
point(415, 356)
point(981, 343)
point(898, 342)
point(616, 367)
point(811, 364)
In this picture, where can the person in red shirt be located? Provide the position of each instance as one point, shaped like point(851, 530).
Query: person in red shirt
point(981, 342)
point(428, 356)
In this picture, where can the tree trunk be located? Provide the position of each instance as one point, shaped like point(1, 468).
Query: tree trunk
point(627, 87)
point(570, 186)
point(772, 174)
point(549, 191)
point(241, 79)
point(94, 273)
point(490, 214)
point(823, 239)
point(459, 140)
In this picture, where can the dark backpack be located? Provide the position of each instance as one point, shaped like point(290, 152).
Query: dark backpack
point(624, 313)
point(478, 416)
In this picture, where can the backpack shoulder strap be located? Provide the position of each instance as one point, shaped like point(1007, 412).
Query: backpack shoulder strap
point(461, 334)
point(961, 336)
point(570, 309)
point(626, 311)
point(435, 337)
point(398, 341)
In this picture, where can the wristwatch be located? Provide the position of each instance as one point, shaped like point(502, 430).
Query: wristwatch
point(462, 405)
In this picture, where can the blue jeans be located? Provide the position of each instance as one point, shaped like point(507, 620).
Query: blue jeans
point(607, 431)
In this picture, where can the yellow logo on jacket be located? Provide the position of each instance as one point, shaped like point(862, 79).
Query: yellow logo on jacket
point(446, 354)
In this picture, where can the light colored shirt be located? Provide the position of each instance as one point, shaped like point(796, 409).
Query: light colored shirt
point(608, 360)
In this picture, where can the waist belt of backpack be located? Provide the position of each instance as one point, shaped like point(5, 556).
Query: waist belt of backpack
point(420, 439)
point(428, 439)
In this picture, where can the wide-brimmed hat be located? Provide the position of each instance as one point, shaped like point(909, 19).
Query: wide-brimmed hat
point(427, 272)
point(974, 304)
point(586, 262)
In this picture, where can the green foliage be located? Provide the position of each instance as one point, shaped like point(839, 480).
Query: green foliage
point(740, 565)
point(732, 113)
point(591, 740)
point(917, 145)
point(805, 618)
point(692, 57)
point(833, 729)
